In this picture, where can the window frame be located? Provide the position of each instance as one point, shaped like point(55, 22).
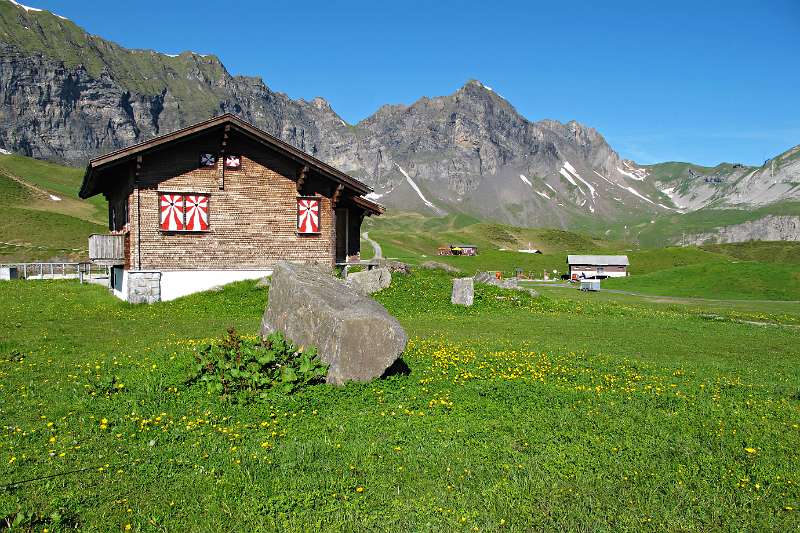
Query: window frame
point(183, 212)
point(316, 197)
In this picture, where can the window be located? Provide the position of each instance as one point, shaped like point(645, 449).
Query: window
point(308, 214)
point(184, 212)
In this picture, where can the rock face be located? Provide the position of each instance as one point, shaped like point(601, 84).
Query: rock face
point(69, 96)
point(369, 281)
point(463, 291)
point(354, 334)
point(768, 228)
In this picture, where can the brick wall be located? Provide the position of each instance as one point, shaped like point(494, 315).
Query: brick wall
point(252, 222)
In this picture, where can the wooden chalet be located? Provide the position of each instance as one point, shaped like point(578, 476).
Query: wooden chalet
point(217, 202)
point(597, 266)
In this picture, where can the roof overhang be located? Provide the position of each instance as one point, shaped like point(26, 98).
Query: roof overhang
point(372, 208)
point(98, 164)
point(598, 260)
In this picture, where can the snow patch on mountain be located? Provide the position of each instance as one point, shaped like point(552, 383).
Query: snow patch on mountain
point(635, 192)
point(543, 195)
point(417, 190)
point(569, 172)
point(54, 198)
point(30, 9)
point(373, 196)
point(26, 8)
point(566, 174)
point(550, 187)
point(525, 180)
point(634, 173)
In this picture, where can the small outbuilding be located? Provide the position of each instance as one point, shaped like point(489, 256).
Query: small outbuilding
point(464, 249)
point(597, 266)
point(458, 249)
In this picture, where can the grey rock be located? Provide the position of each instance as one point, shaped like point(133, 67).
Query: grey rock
point(489, 278)
point(436, 265)
point(463, 291)
point(768, 228)
point(369, 281)
point(396, 267)
point(354, 334)
point(263, 282)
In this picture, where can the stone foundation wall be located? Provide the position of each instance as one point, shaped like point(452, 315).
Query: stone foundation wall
point(144, 287)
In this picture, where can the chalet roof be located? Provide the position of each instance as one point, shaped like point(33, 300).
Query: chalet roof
point(369, 205)
point(601, 260)
point(89, 185)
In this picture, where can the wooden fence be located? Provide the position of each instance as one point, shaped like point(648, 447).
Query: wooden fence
point(59, 270)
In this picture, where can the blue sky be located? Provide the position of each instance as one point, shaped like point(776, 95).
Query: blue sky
point(700, 81)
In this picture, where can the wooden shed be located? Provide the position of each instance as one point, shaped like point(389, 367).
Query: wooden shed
point(597, 266)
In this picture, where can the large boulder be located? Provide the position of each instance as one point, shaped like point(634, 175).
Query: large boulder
point(369, 281)
point(353, 333)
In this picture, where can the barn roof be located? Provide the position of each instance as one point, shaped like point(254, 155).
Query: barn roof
point(89, 187)
point(601, 260)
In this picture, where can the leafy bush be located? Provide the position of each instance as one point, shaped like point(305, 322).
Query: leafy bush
point(243, 369)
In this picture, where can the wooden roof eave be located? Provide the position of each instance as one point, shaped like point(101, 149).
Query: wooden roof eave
point(119, 156)
point(372, 208)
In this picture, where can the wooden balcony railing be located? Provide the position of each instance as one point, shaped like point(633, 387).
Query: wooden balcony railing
point(107, 249)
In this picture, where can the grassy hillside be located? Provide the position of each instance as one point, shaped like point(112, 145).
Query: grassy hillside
point(718, 280)
point(41, 216)
point(414, 239)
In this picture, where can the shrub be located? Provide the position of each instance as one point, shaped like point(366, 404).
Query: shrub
point(243, 369)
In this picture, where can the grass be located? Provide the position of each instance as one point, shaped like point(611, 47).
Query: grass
point(33, 229)
point(746, 280)
point(414, 239)
point(560, 412)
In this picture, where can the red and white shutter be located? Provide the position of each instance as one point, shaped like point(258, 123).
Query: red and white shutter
point(196, 212)
point(171, 212)
point(308, 215)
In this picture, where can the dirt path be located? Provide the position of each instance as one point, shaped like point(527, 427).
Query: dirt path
point(667, 299)
point(378, 253)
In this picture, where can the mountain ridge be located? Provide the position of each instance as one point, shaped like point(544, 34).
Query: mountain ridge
point(71, 95)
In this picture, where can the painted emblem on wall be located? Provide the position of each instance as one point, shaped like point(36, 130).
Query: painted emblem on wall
point(308, 215)
point(233, 162)
point(208, 160)
point(171, 212)
point(196, 212)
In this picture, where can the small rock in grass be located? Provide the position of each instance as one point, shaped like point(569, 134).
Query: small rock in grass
point(463, 291)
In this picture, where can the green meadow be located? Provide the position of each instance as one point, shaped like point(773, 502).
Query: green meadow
point(562, 411)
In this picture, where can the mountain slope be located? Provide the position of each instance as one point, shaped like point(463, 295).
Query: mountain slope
point(69, 96)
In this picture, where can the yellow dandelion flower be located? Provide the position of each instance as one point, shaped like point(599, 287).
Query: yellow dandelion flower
point(359, 489)
point(750, 450)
